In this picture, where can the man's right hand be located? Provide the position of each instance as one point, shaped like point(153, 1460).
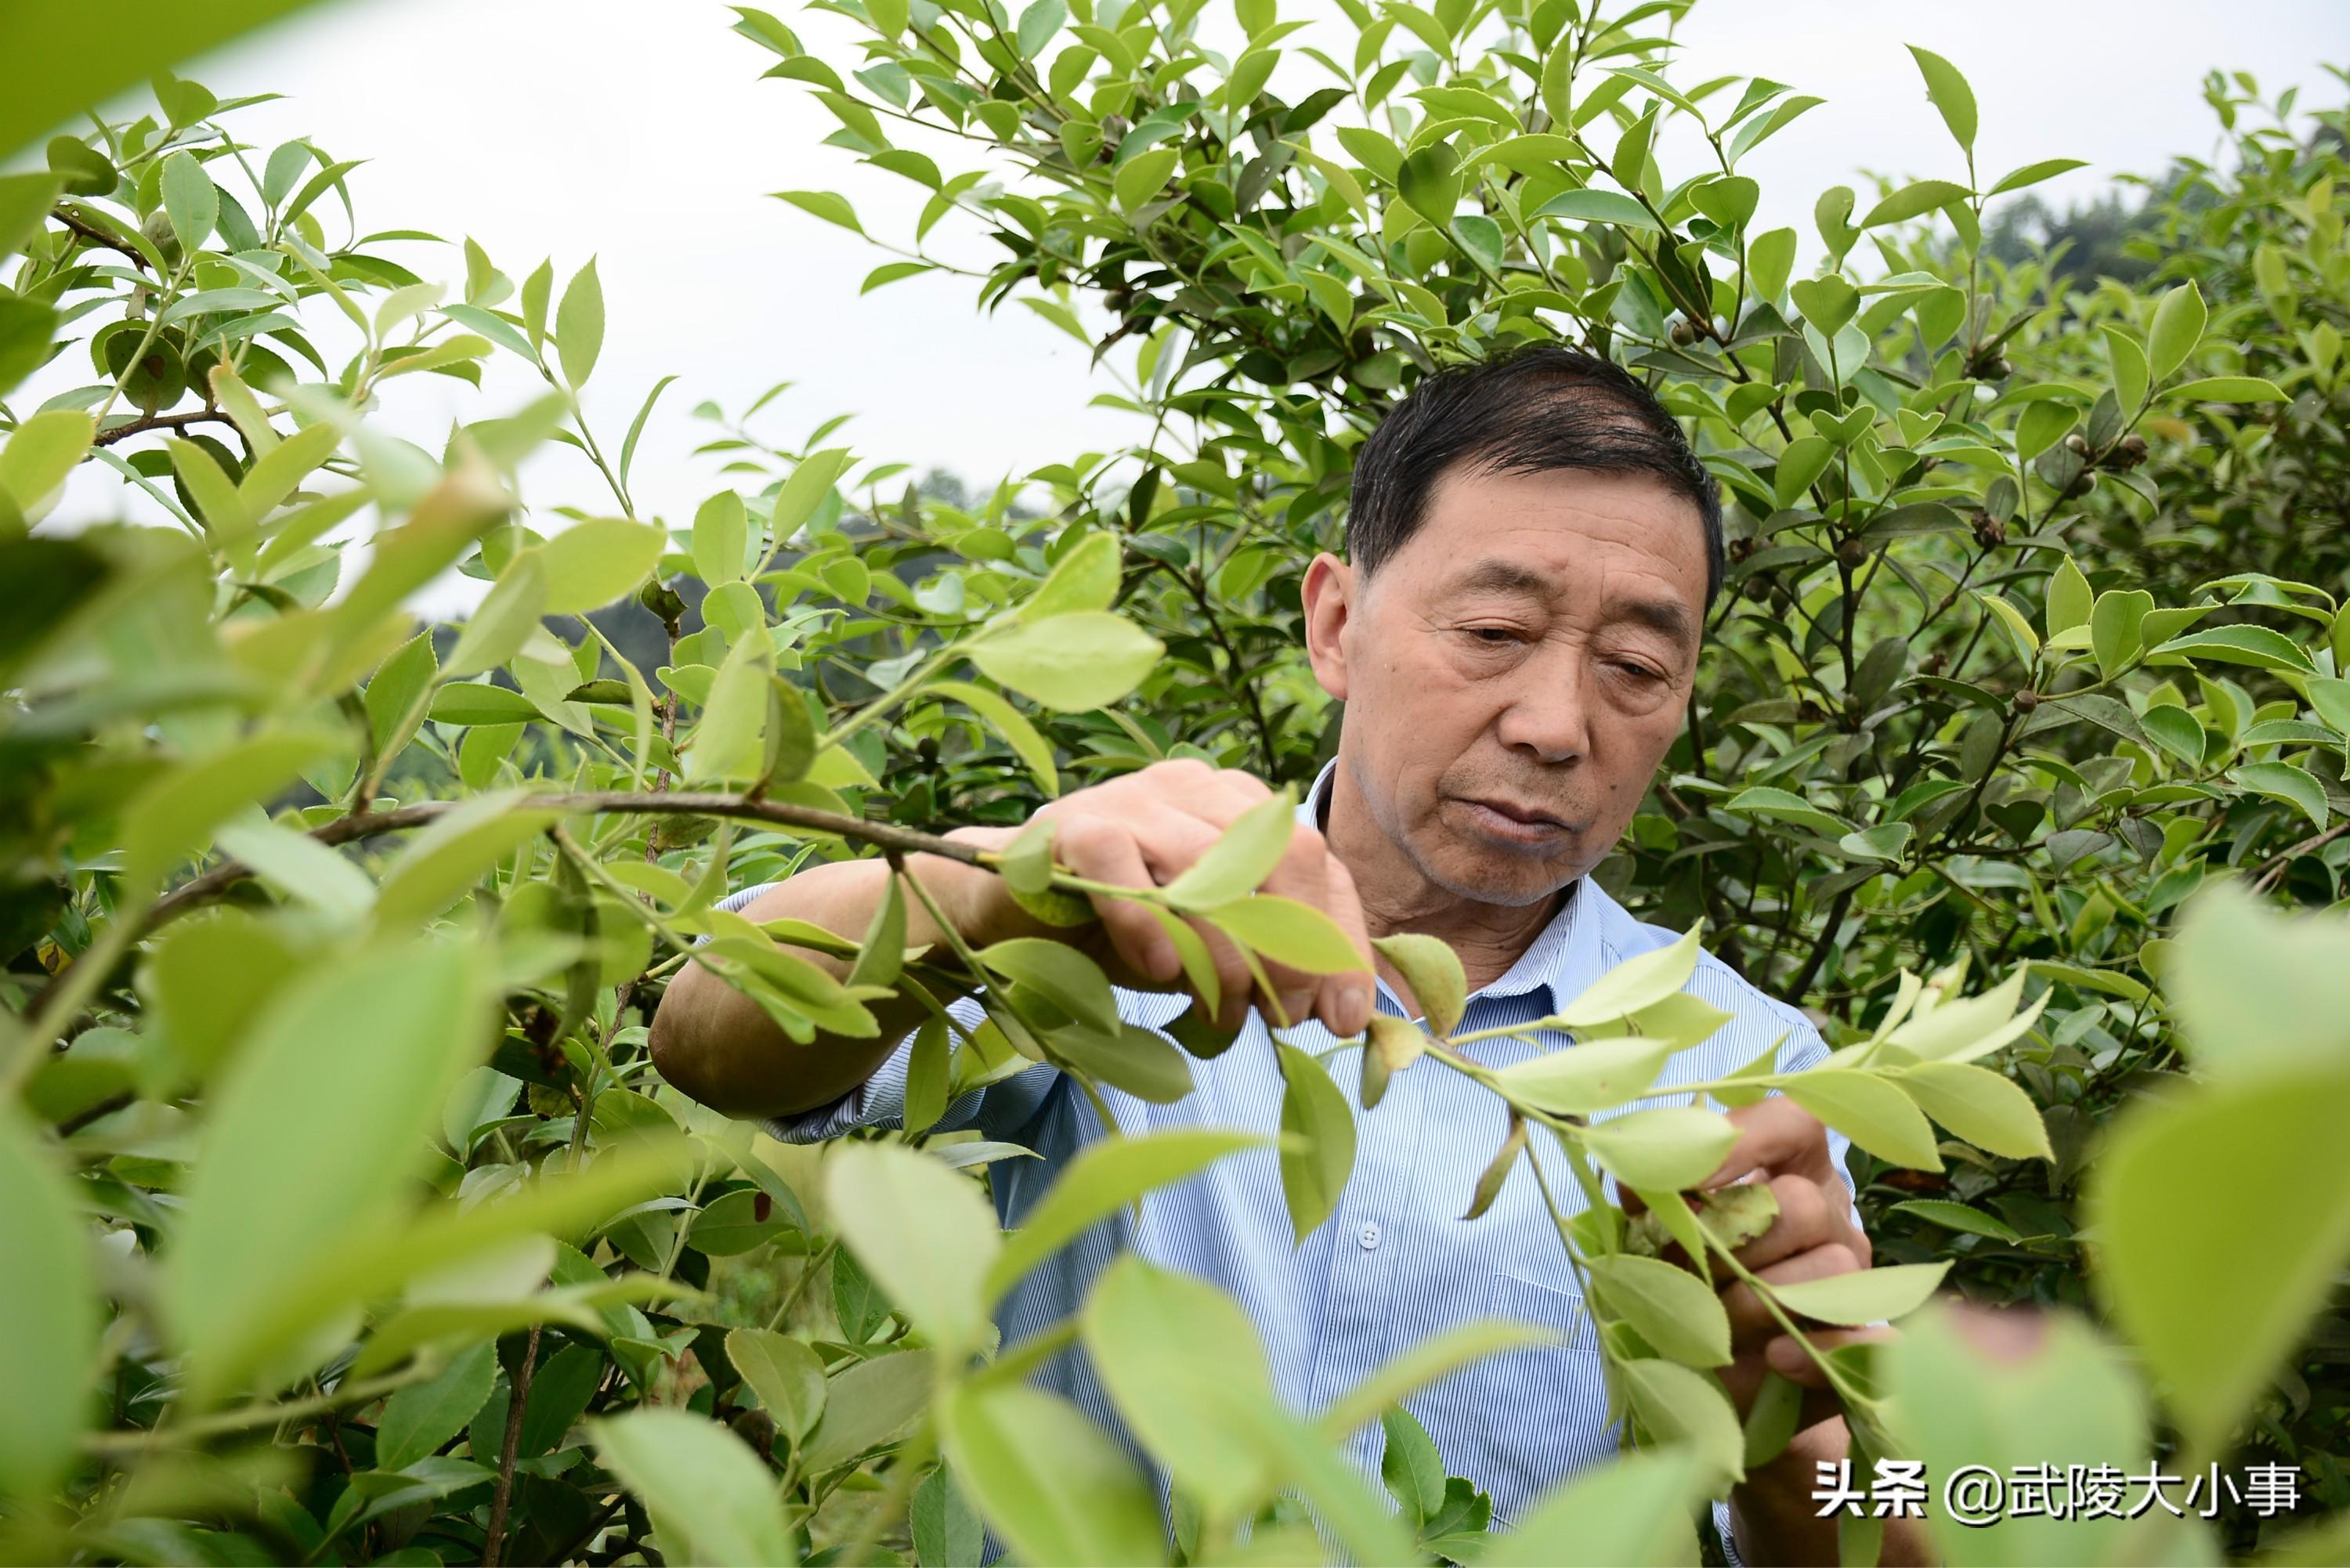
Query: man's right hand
point(1146, 828)
point(1140, 830)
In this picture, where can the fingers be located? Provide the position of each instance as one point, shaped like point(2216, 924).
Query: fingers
point(1102, 850)
point(1147, 827)
point(1344, 1003)
point(1809, 1216)
point(1776, 1135)
point(1752, 1322)
point(1784, 1356)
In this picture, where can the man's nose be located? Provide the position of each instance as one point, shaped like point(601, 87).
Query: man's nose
point(1547, 718)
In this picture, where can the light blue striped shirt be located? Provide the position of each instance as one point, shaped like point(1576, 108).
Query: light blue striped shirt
point(1395, 1263)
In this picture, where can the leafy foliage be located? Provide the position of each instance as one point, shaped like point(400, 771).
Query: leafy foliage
point(352, 1222)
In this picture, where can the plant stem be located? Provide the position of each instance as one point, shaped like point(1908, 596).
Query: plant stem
point(494, 1540)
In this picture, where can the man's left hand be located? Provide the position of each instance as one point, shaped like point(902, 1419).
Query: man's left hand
point(1816, 1235)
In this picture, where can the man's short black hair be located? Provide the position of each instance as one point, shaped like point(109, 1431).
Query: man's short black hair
point(1536, 409)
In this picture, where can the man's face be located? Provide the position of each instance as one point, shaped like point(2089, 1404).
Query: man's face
point(1515, 672)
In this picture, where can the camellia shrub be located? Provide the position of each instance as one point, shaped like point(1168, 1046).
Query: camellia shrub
point(347, 1219)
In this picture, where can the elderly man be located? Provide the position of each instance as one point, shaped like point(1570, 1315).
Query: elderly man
point(1531, 549)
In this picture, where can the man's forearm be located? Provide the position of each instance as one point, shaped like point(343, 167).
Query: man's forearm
point(716, 1044)
point(1777, 1522)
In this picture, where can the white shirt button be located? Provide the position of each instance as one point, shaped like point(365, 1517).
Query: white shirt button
point(1368, 1235)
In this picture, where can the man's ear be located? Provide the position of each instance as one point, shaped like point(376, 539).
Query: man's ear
point(1329, 593)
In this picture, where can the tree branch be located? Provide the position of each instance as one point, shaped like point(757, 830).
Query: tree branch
point(99, 237)
point(160, 422)
point(212, 883)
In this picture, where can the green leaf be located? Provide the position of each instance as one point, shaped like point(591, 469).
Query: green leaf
point(1181, 1362)
point(508, 614)
point(1143, 176)
point(2257, 991)
point(1950, 93)
point(2131, 375)
point(869, 1405)
point(26, 200)
point(1060, 974)
point(1588, 1075)
point(2041, 425)
point(1597, 206)
point(1770, 259)
point(1238, 863)
point(1673, 1309)
point(1104, 1179)
point(1026, 741)
point(2219, 1237)
point(721, 532)
point(2114, 624)
point(787, 1376)
point(2011, 619)
point(1287, 932)
point(39, 454)
point(1142, 1061)
point(1319, 1151)
point(1432, 969)
point(421, 1416)
point(579, 327)
point(2178, 327)
point(1641, 981)
point(806, 490)
point(926, 1235)
point(48, 1313)
point(175, 816)
point(1863, 1295)
point(1430, 183)
point(1427, 1362)
point(2033, 173)
point(2070, 1401)
point(824, 205)
point(1052, 1485)
point(2229, 390)
point(2256, 646)
point(1869, 1111)
point(1914, 200)
point(710, 1498)
point(1980, 1106)
point(944, 1526)
point(1675, 1404)
point(300, 869)
point(1409, 1465)
point(1667, 1148)
point(730, 740)
point(2294, 785)
point(474, 702)
point(192, 200)
point(598, 560)
point(284, 1168)
point(1785, 806)
point(1632, 1511)
point(1958, 1217)
point(1085, 660)
point(1085, 577)
point(443, 863)
point(2069, 599)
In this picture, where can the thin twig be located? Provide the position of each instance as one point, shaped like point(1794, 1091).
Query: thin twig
point(495, 1539)
point(160, 422)
point(215, 883)
point(2283, 858)
point(99, 237)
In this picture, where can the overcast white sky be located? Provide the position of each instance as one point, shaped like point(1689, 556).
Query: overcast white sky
point(642, 134)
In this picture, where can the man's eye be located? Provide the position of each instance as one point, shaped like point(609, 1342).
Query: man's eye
point(1492, 635)
point(1636, 672)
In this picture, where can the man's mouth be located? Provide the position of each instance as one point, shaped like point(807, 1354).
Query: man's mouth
point(1514, 820)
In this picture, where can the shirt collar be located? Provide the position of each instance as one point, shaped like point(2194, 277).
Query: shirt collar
point(1564, 957)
